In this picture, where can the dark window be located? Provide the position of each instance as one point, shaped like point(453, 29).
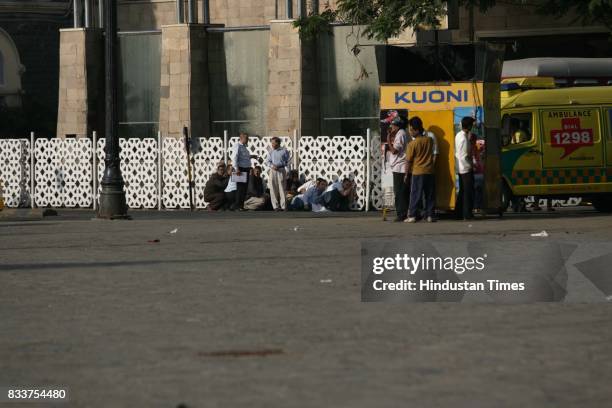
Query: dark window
point(1, 68)
point(517, 128)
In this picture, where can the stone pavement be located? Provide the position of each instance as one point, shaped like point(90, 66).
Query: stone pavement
point(263, 310)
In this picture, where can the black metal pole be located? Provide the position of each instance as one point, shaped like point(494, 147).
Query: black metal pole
point(112, 196)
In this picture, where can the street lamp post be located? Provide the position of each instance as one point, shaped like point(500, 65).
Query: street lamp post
point(112, 196)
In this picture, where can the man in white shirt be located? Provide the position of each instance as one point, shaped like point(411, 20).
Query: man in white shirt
point(241, 158)
point(464, 167)
point(397, 162)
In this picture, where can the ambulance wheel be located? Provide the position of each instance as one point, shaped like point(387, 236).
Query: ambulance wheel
point(506, 197)
point(603, 204)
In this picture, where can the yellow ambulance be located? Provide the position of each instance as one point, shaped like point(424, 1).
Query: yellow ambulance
point(557, 142)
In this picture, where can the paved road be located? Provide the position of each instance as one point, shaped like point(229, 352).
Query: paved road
point(231, 312)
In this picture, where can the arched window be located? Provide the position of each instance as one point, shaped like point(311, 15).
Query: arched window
point(1, 68)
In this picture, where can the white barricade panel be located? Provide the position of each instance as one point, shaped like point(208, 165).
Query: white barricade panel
point(208, 152)
point(77, 172)
point(63, 173)
point(138, 168)
point(15, 172)
point(175, 192)
point(334, 158)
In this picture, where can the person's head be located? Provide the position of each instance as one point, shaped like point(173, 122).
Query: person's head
point(467, 123)
point(294, 175)
point(257, 171)
point(321, 184)
point(221, 168)
point(244, 138)
point(415, 126)
point(396, 123)
point(276, 142)
point(346, 183)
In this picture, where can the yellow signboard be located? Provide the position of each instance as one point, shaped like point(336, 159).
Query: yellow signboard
point(433, 97)
point(572, 138)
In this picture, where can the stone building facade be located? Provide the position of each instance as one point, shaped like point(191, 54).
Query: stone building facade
point(292, 94)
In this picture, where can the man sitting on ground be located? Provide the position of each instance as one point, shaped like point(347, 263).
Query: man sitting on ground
point(340, 195)
point(257, 199)
point(214, 189)
point(293, 184)
point(230, 190)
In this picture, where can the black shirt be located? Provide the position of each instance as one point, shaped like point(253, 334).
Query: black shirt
point(255, 188)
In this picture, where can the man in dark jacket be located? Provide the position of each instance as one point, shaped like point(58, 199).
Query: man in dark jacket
point(213, 190)
point(256, 198)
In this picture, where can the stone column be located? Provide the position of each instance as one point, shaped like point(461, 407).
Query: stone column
point(81, 81)
point(292, 82)
point(184, 81)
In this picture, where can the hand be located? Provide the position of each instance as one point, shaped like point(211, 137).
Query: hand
point(238, 172)
point(275, 168)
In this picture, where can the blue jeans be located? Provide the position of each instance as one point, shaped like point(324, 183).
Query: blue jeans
point(423, 185)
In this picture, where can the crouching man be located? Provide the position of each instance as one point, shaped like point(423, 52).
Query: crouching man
point(312, 198)
point(214, 189)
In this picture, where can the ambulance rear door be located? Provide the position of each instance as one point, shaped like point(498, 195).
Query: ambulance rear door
point(607, 111)
point(571, 138)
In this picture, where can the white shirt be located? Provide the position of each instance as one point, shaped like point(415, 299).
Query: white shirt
point(336, 185)
point(463, 153)
point(397, 161)
point(231, 186)
point(435, 142)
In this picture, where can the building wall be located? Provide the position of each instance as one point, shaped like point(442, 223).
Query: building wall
point(135, 15)
point(152, 14)
point(510, 18)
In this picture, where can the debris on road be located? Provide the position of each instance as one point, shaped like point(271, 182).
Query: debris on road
point(153, 240)
point(174, 231)
point(326, 281)
point(296, 228)
point(241, 353)
point(543, 234)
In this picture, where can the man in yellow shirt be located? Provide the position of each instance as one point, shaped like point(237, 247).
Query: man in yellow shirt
point(420, 162)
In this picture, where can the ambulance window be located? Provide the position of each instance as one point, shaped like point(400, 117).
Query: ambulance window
point(517, 128)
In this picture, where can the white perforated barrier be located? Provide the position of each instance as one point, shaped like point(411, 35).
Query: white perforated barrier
point(63, 173)
point(207, 153)
point(139, 170)
point(15, 172)
point(63, 169)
